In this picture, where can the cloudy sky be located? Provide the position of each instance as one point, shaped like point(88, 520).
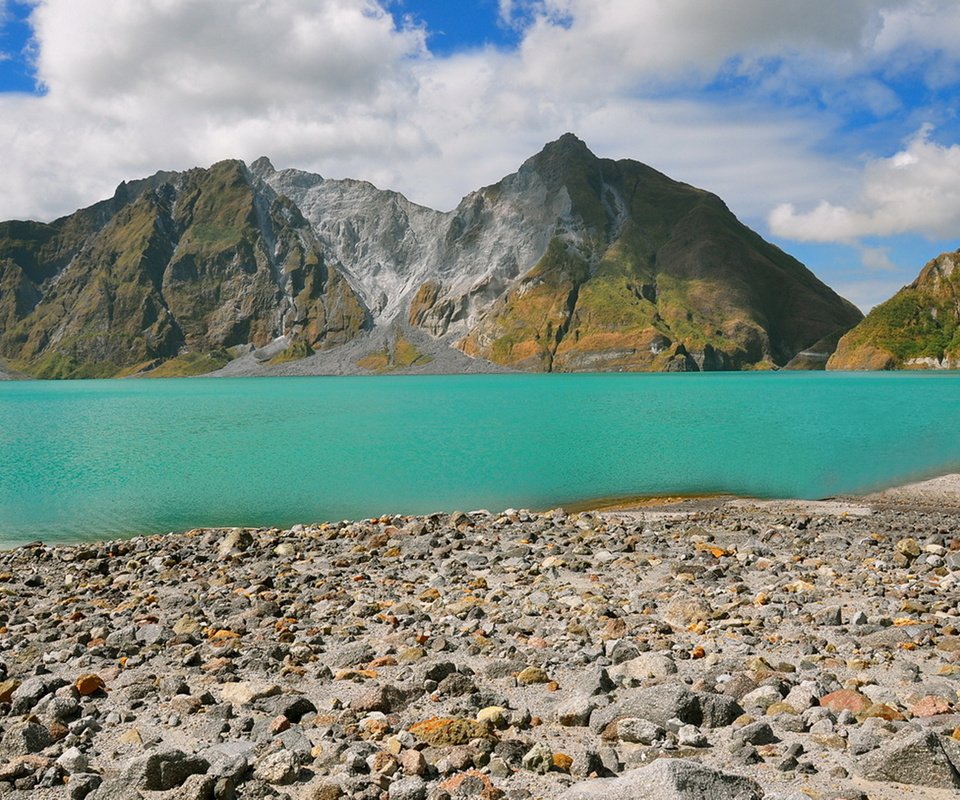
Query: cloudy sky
point(830, 127)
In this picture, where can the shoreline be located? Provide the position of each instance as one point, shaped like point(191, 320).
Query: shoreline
point(941, 492)
point(786, 648)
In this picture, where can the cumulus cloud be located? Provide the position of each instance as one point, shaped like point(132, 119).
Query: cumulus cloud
point(659, 41)
point(344, 88)
point(917, 190)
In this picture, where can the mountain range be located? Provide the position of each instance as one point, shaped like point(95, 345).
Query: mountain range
point(572, 263)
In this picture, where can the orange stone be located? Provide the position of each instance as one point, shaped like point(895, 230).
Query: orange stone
point(562, 762)
point(845, 700)
point(89, 684)
point(930, 706)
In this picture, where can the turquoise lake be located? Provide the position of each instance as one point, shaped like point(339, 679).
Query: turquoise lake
point(99, 459)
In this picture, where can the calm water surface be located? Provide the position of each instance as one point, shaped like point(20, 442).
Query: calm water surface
point(96, 459)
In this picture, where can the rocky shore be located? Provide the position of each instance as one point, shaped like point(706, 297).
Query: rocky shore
point(708, 649)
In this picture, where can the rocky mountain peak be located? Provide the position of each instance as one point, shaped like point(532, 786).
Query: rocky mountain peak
point(262, 168)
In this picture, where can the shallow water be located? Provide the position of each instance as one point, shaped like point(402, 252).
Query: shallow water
point(98, 459)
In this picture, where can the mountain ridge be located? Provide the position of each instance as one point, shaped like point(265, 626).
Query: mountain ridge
point(571, 263)
point(917, 328)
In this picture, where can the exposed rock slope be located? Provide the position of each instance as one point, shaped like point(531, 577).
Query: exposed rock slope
point(917, 328)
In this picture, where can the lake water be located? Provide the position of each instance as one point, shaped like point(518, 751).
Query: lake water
point(98, 459)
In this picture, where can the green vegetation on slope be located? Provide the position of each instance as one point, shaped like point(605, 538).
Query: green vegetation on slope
point(921, 321)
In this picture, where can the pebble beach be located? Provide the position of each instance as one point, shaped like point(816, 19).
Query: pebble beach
point(717, 648)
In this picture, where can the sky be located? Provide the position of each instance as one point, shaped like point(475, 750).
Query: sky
point(830, 128)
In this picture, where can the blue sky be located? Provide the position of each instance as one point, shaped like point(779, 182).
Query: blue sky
point(831, 128)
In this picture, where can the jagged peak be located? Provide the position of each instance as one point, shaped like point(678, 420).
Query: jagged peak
point(567, 146)
point(262, 167)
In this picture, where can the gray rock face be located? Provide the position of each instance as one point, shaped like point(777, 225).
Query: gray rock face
point(667, 779)
point(659, 704)
point(390, 247)
point(24, 738)
point(164, 769)
point(915, 758)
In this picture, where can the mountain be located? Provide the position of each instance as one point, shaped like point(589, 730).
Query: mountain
point(917, 328)
point(173, 270)
point(572, 263)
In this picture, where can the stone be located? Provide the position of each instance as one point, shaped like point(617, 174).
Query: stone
point(761, 697)
point(409, 788)
point(493, 715)
point(413, 763)
point(243, 693)
point(915, 758)
point(83, 784)
point(562, 762)
point(450, 731)
point(21, 767)
point(386, 699)
point(640, 731)
point(280, 768)
point(236, 541)
point(667, 779)
point(575, 711)
point(532, 675)
point(23, 738)
point(7, 688)
point(196, 787)
point(26, 696)
point(845, 700)
point(930, 706)
point(324, 791)
point(89, 684)
point(757, 733)
point(683, 612)
point(163, 769)
point(73, 760)
point(691, 736)
point(907, 547)
point(642, 668)
point(660, 704)
point(538, 758)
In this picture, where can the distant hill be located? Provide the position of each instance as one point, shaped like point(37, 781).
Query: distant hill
point(917, 328)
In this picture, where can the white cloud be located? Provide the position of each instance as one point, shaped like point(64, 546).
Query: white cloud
point(335, 86)
point(339, 87)
point(917, 190)
point(877, 259)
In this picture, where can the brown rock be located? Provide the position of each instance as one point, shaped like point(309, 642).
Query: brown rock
point(845, 700)
point(930, 706)
point(89, 684)
point(7, 688)
point(450, 731)
point(562, 762)
point(532, 675)
point(881, 710)
point(413, 762)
